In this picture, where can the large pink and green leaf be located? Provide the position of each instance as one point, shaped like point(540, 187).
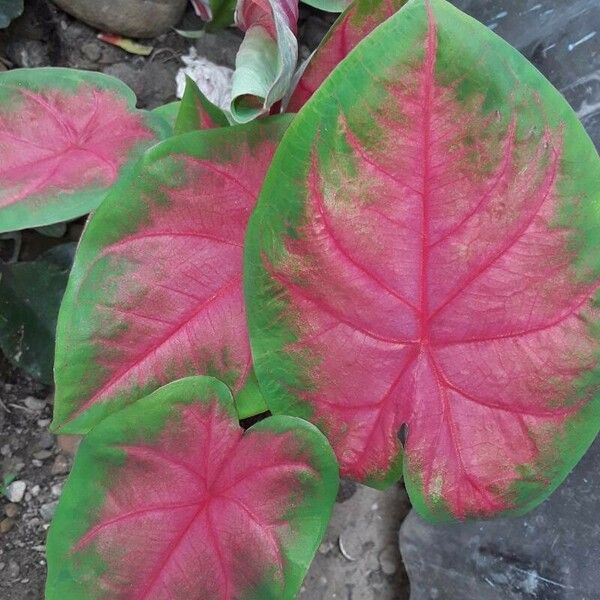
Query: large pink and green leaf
point(423, 266)
point(171, 499)
point(155, 293)
point(65, 138)
point(359, 19)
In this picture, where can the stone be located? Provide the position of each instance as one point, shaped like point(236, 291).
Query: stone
point(133, 18)
point(34, 403)
point(13, 569)
point(42, 454)
point(60, 466)
point(45, 441)
point(6, 525)
point(91, 51)
point(549, 554)
point(11, 510)
point(359, 557)
point(47, 510)
point(68, 444)
point(15, 491)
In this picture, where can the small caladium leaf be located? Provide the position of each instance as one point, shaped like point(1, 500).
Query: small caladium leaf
point(168, 112)
point(329, 5)
point(65, 137)
point(266, 60)
point(423, 267)
point(156, 289)
point(30, 295)
point(197, 111)
point(359, 19)
point(170, 498)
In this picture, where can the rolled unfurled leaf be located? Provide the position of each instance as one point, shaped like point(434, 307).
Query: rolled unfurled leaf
point(65, 137)
point(171, 499)
point(352, 26)
point(267, 57)
point(422, 269)
point(156, 289)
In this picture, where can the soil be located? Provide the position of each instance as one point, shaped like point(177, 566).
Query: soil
point(29, 454)
point(359, 558)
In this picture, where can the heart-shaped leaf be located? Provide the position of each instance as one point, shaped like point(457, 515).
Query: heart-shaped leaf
point(65, 137)
point(359, 19)
point(156, 289)
point(423, 263)
point(171, 499)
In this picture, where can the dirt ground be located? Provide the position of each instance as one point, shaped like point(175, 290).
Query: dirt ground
point(359, 559)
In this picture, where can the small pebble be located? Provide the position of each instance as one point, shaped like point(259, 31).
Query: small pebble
point(34, 404)
point(69, 443)
point(45, 441)
point(56, 490)
point(35, 490)
point(47, 510)
point(36, 463)
point(6, 525)
point(44, 422)
point(15, 491)
point(5, 450)
point(13, 569)
point(12, 510)
point(42, 454)
point(60, 465)
point(91, 51)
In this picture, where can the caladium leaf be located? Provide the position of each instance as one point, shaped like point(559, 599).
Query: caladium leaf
point(423, 264)
point(30, 295)
point(328, 5)
point(171, 499)
point(65, 137)
point(197, 111)
point(265, 63)
point(168, 112)
point(359, 19)
point(156, 289)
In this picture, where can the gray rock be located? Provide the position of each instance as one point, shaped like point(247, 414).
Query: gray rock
point(549, 554)
point(359, 558)
point(47, 510)
point(92, 51)
point(61, 465)
point(132, 18)
point(34, 404)
point(15, 491)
